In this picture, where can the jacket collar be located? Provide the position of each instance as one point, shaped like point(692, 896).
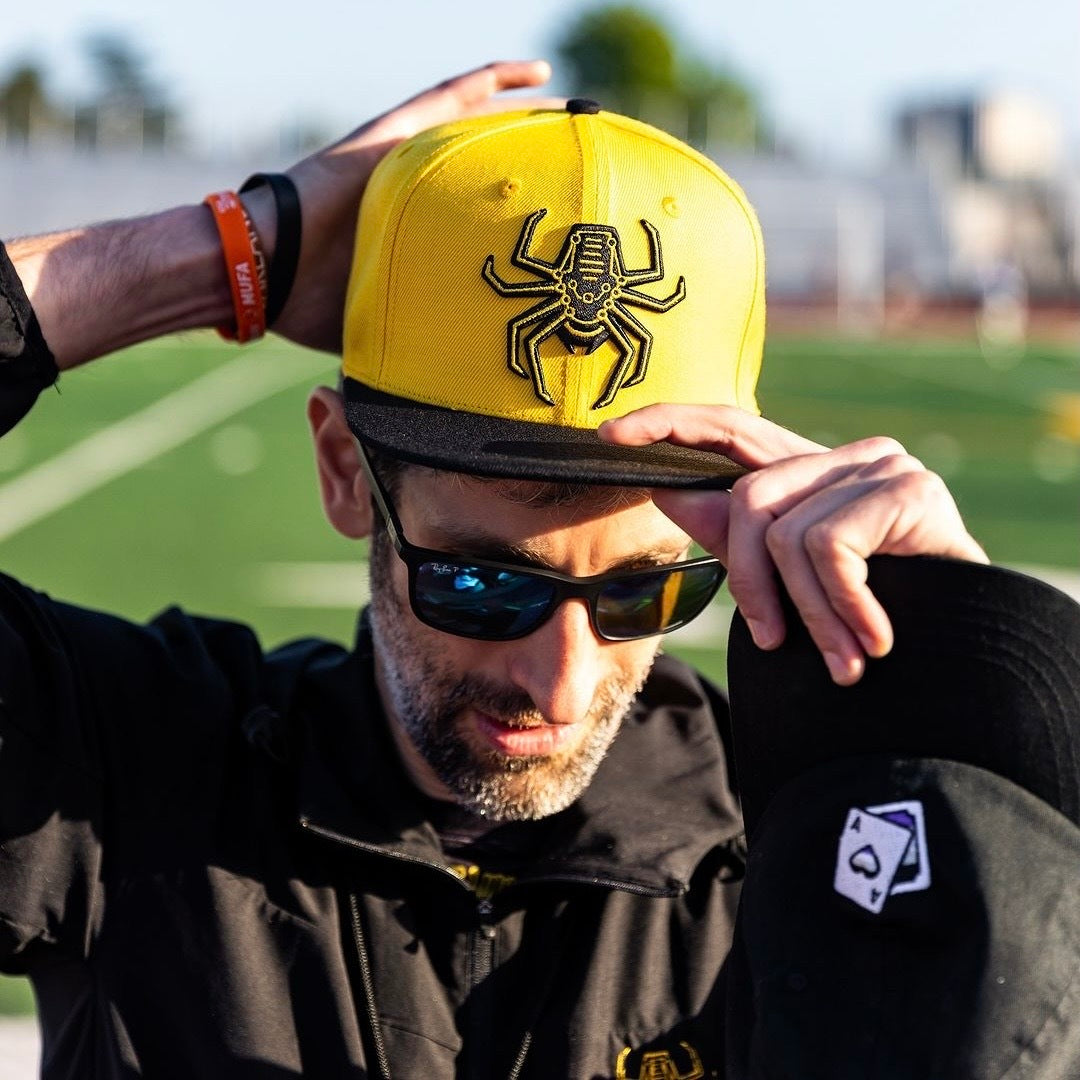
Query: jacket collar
point(659, 801)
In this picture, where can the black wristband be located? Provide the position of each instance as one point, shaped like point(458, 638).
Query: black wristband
point(287, 248)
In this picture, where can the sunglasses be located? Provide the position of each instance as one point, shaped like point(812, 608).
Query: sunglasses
point(499, 601)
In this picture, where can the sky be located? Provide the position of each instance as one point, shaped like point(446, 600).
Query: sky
point(829, 74)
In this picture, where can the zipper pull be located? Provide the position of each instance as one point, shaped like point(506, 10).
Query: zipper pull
point(485, 909)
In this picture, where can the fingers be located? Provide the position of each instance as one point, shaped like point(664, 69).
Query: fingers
point(474, 86)
point(772, 511)
point(724, 429)
point(805, 517)
point(774, 537)
point(817, 542)
point(459, 96)
point(332, 180)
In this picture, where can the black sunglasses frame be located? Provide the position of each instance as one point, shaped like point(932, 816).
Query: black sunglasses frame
point(565, 586)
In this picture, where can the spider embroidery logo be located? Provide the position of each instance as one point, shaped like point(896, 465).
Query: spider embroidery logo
point(585, 295)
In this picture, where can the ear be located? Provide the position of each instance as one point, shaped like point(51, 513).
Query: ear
point(346, 497)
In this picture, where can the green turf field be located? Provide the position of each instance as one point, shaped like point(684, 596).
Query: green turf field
point(227, 522)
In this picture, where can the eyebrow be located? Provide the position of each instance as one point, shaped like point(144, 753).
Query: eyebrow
point(464, 542)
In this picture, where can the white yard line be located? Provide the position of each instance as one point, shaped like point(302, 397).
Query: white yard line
point(166, 424)
point(311, 584)
point(1068, 581)
point(20, 1048)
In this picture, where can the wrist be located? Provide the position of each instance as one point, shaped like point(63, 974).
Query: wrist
point(259, 204)
point(282, 263)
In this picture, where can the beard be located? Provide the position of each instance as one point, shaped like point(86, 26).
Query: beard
point(429, 697)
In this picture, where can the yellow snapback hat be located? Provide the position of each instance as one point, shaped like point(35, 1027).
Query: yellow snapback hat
point(521, 277)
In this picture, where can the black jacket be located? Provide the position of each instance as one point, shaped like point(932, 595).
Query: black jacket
point(214, 866)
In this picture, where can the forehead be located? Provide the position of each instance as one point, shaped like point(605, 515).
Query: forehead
point(396, 474)
point(542, 494)
point(602, 520)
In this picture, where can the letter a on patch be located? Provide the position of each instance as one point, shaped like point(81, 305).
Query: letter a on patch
point(868, 856)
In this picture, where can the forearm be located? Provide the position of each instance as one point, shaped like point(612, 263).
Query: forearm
point(97, 289)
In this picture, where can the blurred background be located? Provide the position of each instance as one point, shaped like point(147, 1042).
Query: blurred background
point(900, 161)
point(916, 169)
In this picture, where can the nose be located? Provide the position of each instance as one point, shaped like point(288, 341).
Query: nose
point(560, 665)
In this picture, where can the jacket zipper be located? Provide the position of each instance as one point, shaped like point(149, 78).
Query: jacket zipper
point(381, 1057)
point(481, 965)
point(483, 939)
point(367, 983)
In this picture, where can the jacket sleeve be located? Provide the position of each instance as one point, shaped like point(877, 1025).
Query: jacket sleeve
point(26, 364)
point(110, 733)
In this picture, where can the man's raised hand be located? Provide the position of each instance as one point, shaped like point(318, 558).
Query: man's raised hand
point(808, 514)
point(99, 288)
point(331, 182)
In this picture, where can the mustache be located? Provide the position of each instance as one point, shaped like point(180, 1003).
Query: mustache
point(508, 703)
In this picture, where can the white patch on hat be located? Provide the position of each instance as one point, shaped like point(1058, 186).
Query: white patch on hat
point(882, 851)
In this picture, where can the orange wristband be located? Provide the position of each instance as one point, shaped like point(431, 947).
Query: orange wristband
point(241, 263)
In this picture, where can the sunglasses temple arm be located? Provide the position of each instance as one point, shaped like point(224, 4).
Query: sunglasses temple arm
point(379, 494)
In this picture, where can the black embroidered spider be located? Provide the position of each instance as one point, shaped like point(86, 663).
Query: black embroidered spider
point(586, 294)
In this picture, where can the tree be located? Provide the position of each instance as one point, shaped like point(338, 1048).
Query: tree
point(629, 60)
point(129, 107)
point(620, 53)
point(25, 106)
point(120, 70)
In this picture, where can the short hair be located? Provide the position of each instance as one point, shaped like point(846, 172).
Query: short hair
point(536, 493)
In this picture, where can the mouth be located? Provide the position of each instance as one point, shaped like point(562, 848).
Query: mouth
point(522, 740)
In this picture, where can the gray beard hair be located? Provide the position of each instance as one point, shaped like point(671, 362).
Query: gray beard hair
point(428, 697)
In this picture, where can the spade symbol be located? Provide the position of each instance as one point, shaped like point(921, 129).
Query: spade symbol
point(865, 862)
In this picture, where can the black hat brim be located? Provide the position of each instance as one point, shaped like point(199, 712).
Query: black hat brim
point(985, 670)
point(513, 449)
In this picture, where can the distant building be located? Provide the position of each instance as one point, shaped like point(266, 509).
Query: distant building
point(124, 123)
point(1000, 137)
point(997, 163)
point(974, 204)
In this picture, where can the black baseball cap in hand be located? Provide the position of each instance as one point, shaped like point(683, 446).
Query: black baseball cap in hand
point(912, 901)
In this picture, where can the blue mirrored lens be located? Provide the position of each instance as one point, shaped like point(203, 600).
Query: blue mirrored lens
point(479, 601)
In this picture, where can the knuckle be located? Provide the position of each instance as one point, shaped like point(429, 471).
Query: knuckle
point(743, 587)
point(743, 485)
point(822, 540)
point(923, 486)
point(882, 446)
point(749, 491)
point(783, 536)
point(892, 465)
point(841, 570)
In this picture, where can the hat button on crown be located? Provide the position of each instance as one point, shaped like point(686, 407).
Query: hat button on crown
point(577, 105)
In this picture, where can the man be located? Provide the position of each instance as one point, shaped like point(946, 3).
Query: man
point(499, 837)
